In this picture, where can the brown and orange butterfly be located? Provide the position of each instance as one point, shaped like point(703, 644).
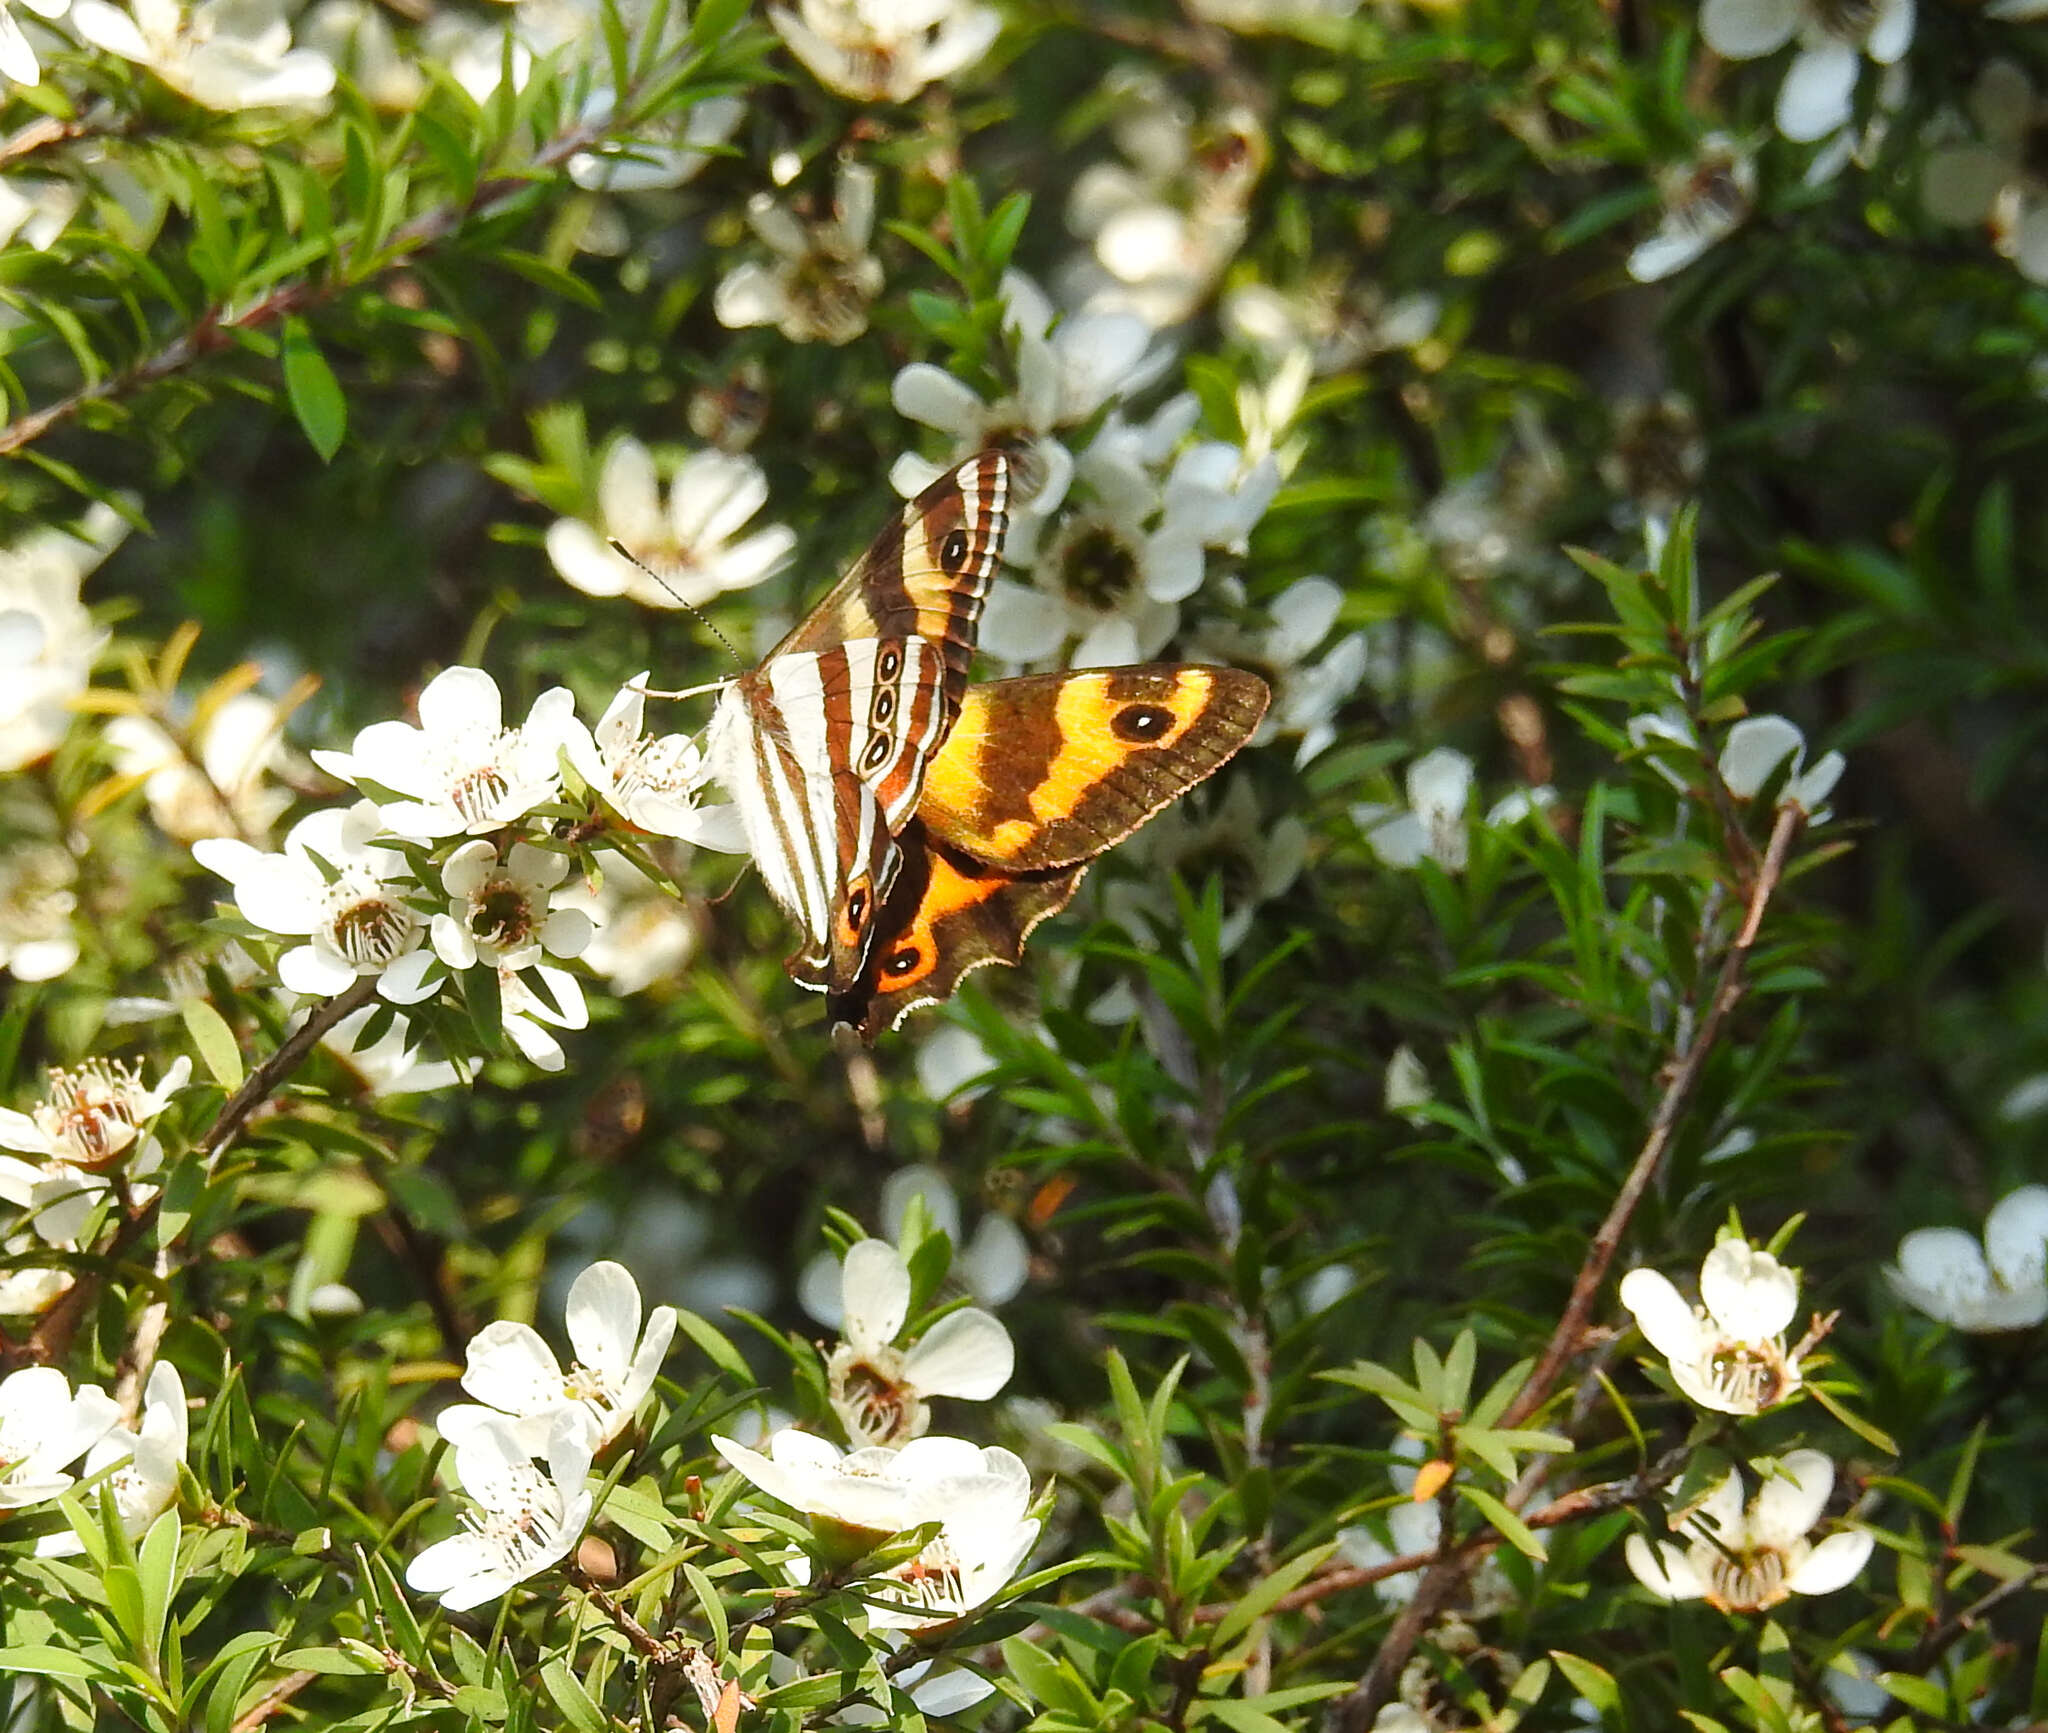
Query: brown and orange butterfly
point(917, 827)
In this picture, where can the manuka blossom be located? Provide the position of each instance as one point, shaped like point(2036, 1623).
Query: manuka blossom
point(44, 1429)
point(646, 163)
point(356, 903)
point(1747, 1559)
point(1307, 691)
point(1834, 35)
point(144, 1461)
point(2000, 1283)
point(1728, 1353)
point(1068, 370)
point(982, 1542)
point(515, 1376)
point(878, 1389)
point(390, 1065)
point(525, 1519)
point(1256, 856)
point(1704, 200)
point(651, 780)
point(461, 770)
point(991, 1264)
point(822, 279)
point(223, 54)
point(687, 545)
point(1434, 825)
point(48, 641)
point(886, 50)
point(500, 908)
point(534, 1002)
point(91, 1118)
point(1758, 746)
point(1996, 179)
point(222, 782)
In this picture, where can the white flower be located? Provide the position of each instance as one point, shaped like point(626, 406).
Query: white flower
point(980, 1547)
point(643, 164)
point(228, 791)
point(36, 211)
point(44, 1428)
point(28, 1289)
point(2000, 1284)
point(1434, 825)
point(145, 1461)
point(526, 1518)
point(1728, 1353)
point(37, 939)
point(17, 54)
point(991, 1264)
point(91, 1114)
point(1406, 1085)
point(688, 546)
point(1755, 749)
point(391, 1064)
point(855, 1501)
point(1748, 1560)
point(355, 901)
point(1995, 181)
point(878, 1390)
point(461, 770)
point(1257, 858)
point(89, 1118)
point(1306, 694)
point(516, 1375)
point(499, 908)
point(886, 50)
point(823, 278)
point(1411, 1527)
point(48, 642)
point(1820, 85)
point(357, 38)
point(223, 54)
point(651, 780)
point(935, 1695)
point(1163, 225)
point(1067, 372)
point(645, 933)
point(1704, 200)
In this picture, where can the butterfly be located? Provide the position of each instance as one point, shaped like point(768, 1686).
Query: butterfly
point(916, 827)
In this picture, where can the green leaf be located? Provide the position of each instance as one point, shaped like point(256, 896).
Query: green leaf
point(575, 1703)
point(50, 1663)
point(315, 394)
point(1259, 1599)
point(1512, 1528)
point(1595, 1684)
point(218, 1048)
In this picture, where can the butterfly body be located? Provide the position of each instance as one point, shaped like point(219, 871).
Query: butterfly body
point(915, 827)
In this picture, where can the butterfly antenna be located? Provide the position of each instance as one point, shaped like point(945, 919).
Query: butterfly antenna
point(625, 553)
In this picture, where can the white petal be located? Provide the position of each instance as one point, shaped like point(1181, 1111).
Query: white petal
point(316, 973)
point(2016, 1237)
point(996, 1260)
point(933, 396)
point(875, 1295)
point(1818, 91)
point(1747, 29)
point(1664, 1570)
point(966, 1353)
point(713, 494)
point(567, 933)
point(584, 560)
point(1021, 624)
point(458, 698)
point(1666, 1321)
point(110, 28)
point(603, 1317)
point(1748, 1292)
point(1440, 782)
point(512, 1370)
point(1174, 565)
point(1303, 614)
point(1790, 1501)
point(629, 496)
point(1400, 840)
point(406, 981)
point(1833, 1564)
point(749, 294)
point(1756, 746)
point(1892, 32)
point(1663, 255)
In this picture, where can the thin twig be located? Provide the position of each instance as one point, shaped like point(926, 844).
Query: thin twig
point(1938, 1641)
point(1356, 1711)
point(274, 1699)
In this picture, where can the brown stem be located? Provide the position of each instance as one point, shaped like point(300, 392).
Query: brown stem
point(273, 1700)
point(53, 1335)
point(1356, 1711)
point(1938, 1641)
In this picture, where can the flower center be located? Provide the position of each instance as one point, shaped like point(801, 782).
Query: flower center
point(664, 764)
point(1098, 564)
point(1747, 1582)
point(501, 916)
point(1848, 20)
point(477, 793)
point(935, 1579)
point(876, 1408)
point(1710, 201)
point(1754, 1374)
point(368, 927)
point(92, 1110)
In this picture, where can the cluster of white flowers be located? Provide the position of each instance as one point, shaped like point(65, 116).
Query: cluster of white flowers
point(1995, 180)
point(1436, 823)
point(90, 1130)
point(46, 1426)
point(1756, 750)
point(425, 878)
point(1819, 88)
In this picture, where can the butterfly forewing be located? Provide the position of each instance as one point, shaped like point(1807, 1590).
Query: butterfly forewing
point(927, 575)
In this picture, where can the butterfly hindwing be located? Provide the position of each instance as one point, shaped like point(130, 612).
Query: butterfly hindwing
point(1039, 776)
point(1055, 768)
point(947, 915)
